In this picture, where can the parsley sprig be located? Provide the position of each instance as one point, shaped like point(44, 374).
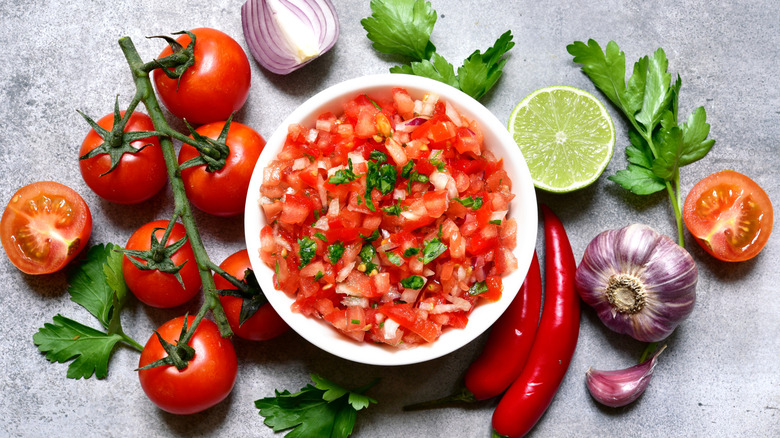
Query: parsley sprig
point(660, 145)
point(403, 27)
point(322, 410)
point(97, 285)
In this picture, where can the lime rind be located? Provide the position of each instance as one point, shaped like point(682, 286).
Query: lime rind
point(566, 136)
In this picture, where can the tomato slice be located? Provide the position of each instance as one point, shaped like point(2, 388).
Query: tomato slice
point(729, 215)
point(45, 225)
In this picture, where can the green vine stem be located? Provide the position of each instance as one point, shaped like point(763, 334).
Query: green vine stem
point(183, 209)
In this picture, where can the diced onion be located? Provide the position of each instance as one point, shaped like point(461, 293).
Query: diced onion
point(452, 114)
point(285, 35)
point(300, 163)
point(410, 125)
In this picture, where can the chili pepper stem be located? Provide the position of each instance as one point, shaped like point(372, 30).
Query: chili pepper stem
point(145, 92)
point(462, 396)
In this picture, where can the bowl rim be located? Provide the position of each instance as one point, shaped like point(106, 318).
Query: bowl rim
point(522, 208)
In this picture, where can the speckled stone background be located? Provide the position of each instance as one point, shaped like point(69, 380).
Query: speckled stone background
point(720, 376)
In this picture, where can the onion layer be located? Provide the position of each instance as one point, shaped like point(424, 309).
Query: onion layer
point(285, 35)
point(640, 282)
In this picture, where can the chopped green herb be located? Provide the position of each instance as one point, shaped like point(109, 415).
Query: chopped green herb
point(355, 321)
point(320, 236)
point(367, 253)
point(393, 210)
point(377, 155)
point(411, 251)
point(478, 288)
point(372, 237)
point(495, 221)
point(432, 249)
point(318, 276)
point(394, 258)
point(344, 176)
point(335, 251)
point(469, 202)
point(436, 161)
point(415, 177)
point(379, 176)
point(376, 105)
point(317, 214)
point(309, 156)
point(407, 169)
point(413, 282)
point(307, 250)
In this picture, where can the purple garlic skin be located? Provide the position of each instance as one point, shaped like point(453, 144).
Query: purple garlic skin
point(640, 282)
point(621, 387)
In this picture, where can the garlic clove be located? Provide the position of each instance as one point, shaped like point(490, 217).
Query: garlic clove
point(620, 387)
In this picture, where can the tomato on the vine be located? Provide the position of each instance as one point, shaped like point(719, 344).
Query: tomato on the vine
point(214, 87)
point(729, 215)
point(208, 378)
point(44, 226)
point(223, 192)
point(265, 323)
point(154, 287)
point(137, 177)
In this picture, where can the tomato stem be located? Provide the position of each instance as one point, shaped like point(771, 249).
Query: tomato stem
point(145, 93)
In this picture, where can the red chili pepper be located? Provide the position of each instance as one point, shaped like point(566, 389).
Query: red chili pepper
point(510, 340)
point(529, 396)
point(507, 347)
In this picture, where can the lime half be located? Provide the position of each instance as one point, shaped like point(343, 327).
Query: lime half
point(566, 136)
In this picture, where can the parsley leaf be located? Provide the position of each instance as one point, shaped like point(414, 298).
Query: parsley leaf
point(307, 249)
point(335, 251)
point(432, 249)
point(323, 410)
point(320, 236)
point(380, 175)
point(437, 162)
point(344, 176)
point(413, 282)
point(659, 145)
point(477, 288)
point(371, 237)
point(394, 258)
point(401, 27)
point(411, 251)
point(367, 253)
point(393, 210)
point(469, 202)
point(97, 285)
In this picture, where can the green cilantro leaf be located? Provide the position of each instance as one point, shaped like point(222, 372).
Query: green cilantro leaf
point(335, 251)
point(432, 249)
point(393, 210)
point(320, 236)
point(377, 155)
point(367, 253)
point(394, 258)
point(437, 68)
point(344, 176)
point(478, 288)
point(307, 250)
point(64, 339)
point(437, 162)
point(495, 222)
point(371, 237)
point(411, 251)
point(318, 276)
point(469, 202)
point(480, 72)
point(401, 27)
point(93, 283)
point(323, 410)
point(413, 282)
point(407, 169)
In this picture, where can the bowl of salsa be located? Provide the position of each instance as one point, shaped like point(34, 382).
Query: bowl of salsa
point(390, 219)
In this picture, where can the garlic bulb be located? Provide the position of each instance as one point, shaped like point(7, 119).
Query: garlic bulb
point(621, 387)
point(640, 282)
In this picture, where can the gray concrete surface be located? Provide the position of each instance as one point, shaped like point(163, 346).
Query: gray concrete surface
point(720, 376)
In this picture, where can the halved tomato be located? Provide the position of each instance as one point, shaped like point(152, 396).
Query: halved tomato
point(729, 215)
point(45, 225)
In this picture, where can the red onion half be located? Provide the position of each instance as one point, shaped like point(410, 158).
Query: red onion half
point(285, 35)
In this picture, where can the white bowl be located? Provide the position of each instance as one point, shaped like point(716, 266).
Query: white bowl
point(523, 209)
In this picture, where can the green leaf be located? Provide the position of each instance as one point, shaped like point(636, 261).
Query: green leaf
point(478, 287)
point(639, 180)
point(92, 283)
point(657, 94)
point(480, 72)
point(335, 251)
point(413, 282)
point(307, 250)
point(324, 410)
point(64, 339)
point(607, 69)
point(394, 258)
point(432, 249)
point(694, 139)
point(437, 68)
point(401, 27)
point(634, 97)
point(668, 143)
point(344, 176)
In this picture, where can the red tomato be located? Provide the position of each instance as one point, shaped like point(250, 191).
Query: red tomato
point(44, 226)
point(156, 288)
point(137, 177)
point(208, 378)
point(265, 323)
point(214, 87)
point(223, 193)
point(729, 215)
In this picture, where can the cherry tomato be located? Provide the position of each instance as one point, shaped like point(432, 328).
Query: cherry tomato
point(137, 177)
point(265, 323)
point(729, 215)
point(214, 87)
point(156, 288)
point(223, 193)
point(208, 378)
point(44, 226)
